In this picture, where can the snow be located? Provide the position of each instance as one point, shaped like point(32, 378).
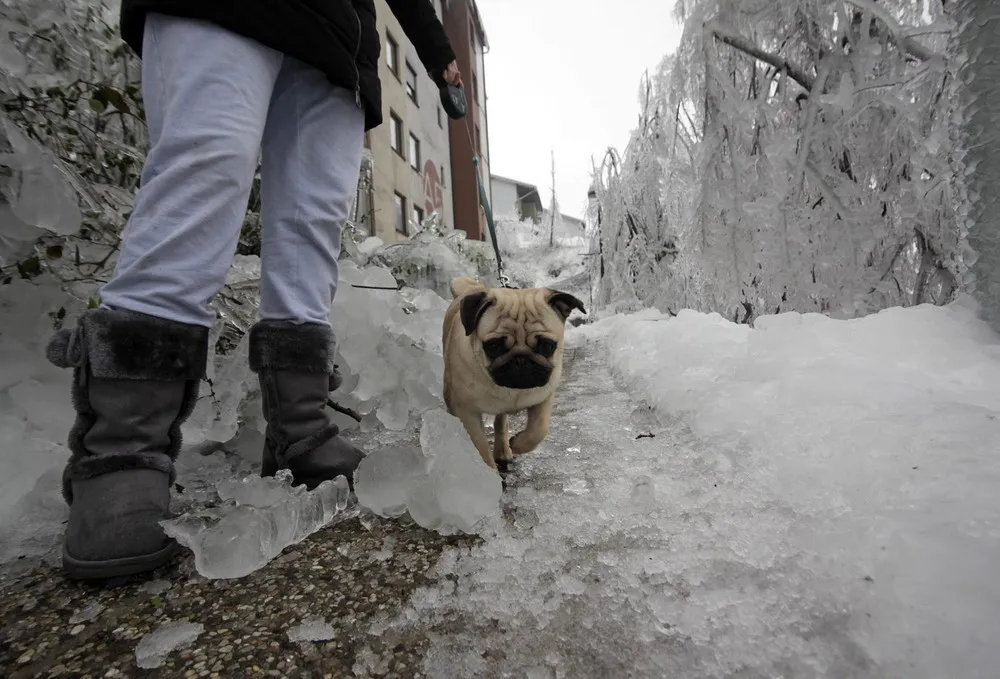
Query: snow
point(154, 647)
point(809, 497)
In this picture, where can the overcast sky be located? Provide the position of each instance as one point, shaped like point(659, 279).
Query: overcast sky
point(564, 75)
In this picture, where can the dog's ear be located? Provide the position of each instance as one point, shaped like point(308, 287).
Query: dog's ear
point(564, 303)
point(473, 308)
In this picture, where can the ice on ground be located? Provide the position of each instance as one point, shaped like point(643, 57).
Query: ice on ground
point(155, 646)
point(445, 485)
point(35, 417)
point(809, 498)
point(312, 629)
point(258, 518)
point(86, 614)
point(155, 587)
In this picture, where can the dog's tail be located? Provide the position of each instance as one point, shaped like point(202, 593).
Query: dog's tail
point(463, 285)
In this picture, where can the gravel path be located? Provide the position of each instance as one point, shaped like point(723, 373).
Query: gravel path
point(343, 574)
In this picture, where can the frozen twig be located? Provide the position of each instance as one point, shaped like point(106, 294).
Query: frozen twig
point(737, 41)
point(900, 34)
point(350, 412)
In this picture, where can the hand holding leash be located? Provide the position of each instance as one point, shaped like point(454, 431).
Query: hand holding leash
point(450, 84)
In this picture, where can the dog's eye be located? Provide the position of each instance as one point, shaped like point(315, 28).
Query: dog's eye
point(495, 347)
point(545, 347)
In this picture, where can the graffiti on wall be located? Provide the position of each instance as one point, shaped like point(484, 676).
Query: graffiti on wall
point(433, 191)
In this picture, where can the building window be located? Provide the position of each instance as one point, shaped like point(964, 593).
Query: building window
point(418, 215)
point(440, 120)
point(414, 152)
point(396, 133)
point(400, 213)
point(392, 54)
point(475, 89)
point(479, 143)
point(411, 83)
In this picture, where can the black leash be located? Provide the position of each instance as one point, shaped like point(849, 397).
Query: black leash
point(454, 103)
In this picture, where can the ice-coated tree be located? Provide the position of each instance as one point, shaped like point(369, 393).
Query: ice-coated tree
point(977, 46)
point(790, 156)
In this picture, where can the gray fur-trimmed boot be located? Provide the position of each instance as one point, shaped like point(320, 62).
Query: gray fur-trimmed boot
point(135, 381)
point(294, 365)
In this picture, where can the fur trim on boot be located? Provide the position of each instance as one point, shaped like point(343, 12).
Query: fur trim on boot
point(127, 346)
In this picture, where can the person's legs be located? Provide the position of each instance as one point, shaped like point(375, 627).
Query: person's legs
point(311, 158)
point(138, 361)
point(207, 93)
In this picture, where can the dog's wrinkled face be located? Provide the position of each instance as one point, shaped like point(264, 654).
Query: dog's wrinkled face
point(517, 334)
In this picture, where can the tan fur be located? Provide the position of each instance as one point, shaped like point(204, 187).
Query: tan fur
point(470, 392)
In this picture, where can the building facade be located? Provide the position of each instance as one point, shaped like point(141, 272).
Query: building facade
point(406, 176)
point(514, 198)
point(470, 135)
point(410, 171)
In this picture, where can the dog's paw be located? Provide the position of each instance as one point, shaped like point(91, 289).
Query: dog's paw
point(522, 443)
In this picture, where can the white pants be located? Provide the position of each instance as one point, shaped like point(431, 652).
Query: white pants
point(213, 100)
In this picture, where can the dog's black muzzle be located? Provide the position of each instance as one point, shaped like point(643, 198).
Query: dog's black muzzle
point(520, 372)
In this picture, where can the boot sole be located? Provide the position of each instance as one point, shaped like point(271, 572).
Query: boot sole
point(80, 569)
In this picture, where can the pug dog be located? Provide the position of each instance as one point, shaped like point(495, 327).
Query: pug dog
point(503, 352)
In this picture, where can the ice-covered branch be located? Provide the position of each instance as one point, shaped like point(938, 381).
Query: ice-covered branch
point(899, 33)
point(737, 41)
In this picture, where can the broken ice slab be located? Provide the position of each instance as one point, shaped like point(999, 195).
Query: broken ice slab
point(385, 476)
point(259, 518)
point(154, 648)
point(459, 493)
point(447, 488)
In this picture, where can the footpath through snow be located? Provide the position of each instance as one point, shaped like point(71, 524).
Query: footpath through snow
point(818, 499)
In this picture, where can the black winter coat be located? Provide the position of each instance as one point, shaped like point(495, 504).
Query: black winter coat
point(338, 37)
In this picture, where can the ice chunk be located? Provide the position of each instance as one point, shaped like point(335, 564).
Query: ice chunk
point(458, 493)
point(155, 646)
point(445, 486)
point(312, 629)
point(86, 614)
point(385, 476)
point(155, 587)
point(43, 198)
point(261, 517)
point(385, 553)
point(427, 261)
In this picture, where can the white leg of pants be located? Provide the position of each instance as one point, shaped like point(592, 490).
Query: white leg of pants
point(309, 174)
point(212, 99)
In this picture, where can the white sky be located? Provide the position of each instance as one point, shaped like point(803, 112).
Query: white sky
point(564, 75)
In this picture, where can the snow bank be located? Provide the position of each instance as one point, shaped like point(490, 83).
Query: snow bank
point(878, 436)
